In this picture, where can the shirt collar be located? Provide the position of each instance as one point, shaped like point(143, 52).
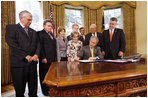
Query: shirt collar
point(46, 31)
point(90, 47)
point(112, 30)
point(94, 33)
point(61, 37)
point(22, 25)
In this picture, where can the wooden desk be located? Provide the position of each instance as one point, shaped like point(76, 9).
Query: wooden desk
point(69, 79)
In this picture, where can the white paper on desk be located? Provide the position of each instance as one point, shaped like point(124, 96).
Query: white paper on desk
point(116, 61)
point(86, 61)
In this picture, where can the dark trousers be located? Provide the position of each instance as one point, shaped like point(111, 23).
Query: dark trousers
point(21, 76)
point(43, 69)
point(110, 56)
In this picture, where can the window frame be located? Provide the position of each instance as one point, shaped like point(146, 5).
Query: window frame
point(114, 7)
point(40, 15)
point(67, 6)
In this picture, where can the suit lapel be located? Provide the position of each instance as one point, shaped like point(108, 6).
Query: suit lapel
point(108, 35)
point(114, 34)
point(61, 40)
point(30, 32)
point(95, 50)
point(89, 51)
point(22, 30)
point(46, 34)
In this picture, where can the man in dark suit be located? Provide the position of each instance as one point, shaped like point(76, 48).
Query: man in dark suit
point(93, 32)
point(25, 49)
point(75, 27)
point(91, 51)
point(82, 36)
point(48, 53)
point(113, 41)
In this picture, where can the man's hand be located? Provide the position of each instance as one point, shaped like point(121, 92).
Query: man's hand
point(120, 53)
point(35, 58)
point(103, 53)
point(76, 58)
point(92, 58)
point(29, 58)
point(44, 60)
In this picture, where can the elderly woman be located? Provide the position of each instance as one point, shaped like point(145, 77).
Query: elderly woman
point(73, 46)
point(61, 45)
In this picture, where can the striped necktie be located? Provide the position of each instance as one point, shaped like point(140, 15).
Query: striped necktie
point(26, 30)
point(50, 35)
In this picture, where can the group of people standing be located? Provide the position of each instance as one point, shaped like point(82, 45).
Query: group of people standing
point(27, 46)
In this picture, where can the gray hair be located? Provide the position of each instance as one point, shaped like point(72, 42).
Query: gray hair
point(93, 25)
point(94, 37)
point(22, 13)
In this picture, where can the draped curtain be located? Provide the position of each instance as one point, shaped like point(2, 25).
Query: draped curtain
point(92, 16)
point(129, 29)
point(7, 17)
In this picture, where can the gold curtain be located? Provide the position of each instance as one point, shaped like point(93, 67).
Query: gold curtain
point(58, 12)
point(129, 29)
point(58, 16)
point(93, 16)
point(7, 17)
point(94, 4)
point(46, 10)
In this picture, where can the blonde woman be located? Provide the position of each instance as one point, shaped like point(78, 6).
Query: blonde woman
point(73, 46)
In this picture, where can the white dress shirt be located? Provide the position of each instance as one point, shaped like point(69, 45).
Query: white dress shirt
point(94, 34)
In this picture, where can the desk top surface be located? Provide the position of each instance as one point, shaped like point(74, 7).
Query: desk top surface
point(61, 74)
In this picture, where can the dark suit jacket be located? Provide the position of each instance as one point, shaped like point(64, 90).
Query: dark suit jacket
point(118, 42)
point(99, 35)
point(21, 44)
point(48, 46)
point(69, 38)
point(85, 52)
point(82, 39)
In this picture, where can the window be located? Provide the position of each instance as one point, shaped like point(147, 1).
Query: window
point(73, 15)
point(113, 13)
point(34, 7)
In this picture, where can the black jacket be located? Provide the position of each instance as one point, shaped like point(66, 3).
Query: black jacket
point(48, 46)
point(82, 39)
point(99, 35)
point(21, 44)
point(118, 42)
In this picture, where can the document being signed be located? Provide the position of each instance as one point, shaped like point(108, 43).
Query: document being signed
point(86, 61)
